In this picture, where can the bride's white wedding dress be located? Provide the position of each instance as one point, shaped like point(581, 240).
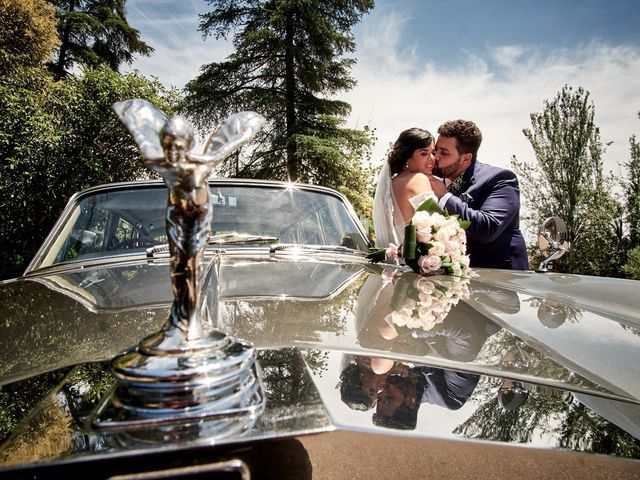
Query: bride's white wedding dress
point(388, 222)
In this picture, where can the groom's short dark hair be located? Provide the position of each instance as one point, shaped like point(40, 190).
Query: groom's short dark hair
point(467, 134)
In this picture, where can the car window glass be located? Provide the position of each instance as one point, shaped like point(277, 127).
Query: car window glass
point(121, 221)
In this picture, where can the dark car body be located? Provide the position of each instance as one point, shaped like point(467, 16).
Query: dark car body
point(366, 370)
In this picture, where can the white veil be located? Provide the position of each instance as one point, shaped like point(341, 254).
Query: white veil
point(383, 210)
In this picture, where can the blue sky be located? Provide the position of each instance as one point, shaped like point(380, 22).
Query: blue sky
point(420, 63)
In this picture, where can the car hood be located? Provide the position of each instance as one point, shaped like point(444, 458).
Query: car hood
point(311, 316)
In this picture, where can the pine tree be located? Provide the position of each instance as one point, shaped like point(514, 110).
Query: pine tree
point(289, 64)
point(95, 33)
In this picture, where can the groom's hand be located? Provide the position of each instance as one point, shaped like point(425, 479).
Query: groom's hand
point(437, 185)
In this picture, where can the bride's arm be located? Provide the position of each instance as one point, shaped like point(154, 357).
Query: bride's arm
point(418, 190)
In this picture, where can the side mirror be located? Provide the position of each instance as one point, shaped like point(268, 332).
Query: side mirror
point(553, 241)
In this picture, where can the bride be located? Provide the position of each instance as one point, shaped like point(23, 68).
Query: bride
point(403, 184)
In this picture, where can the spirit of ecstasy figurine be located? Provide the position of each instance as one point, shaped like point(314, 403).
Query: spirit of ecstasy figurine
point(183, 381)
point(166, 147)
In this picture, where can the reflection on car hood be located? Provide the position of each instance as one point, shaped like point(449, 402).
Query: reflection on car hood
point(550, 334)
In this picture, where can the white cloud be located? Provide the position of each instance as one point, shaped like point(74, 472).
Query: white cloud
point(180, 49)
point(498, 89)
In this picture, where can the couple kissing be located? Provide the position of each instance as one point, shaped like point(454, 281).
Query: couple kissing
point(419, 167)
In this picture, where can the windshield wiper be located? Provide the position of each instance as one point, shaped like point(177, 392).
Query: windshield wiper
point(235, 238)
point(231, 238)
point(315, 248)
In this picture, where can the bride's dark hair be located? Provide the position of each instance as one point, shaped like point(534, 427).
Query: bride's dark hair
point(408, 142)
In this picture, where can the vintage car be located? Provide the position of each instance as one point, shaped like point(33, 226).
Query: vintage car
point(303, 366)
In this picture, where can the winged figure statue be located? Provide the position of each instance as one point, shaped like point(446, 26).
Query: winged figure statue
point(166, 146)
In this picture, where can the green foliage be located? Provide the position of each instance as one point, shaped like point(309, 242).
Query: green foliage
point(632, 267)
point(288, 65)
point(58, 138)
point(95, 33)
point(27, 33)
point(567, 180)
point(631, 185)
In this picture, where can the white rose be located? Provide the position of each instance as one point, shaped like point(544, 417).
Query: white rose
point(452, 246)
point(423, 233)
point(438, 220)
point(437, 248)
point(400, 319)
point(421, 218)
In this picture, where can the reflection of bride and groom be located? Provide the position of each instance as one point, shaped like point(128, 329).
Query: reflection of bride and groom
point(396, 390)
point(418, 167)
point(458, 334)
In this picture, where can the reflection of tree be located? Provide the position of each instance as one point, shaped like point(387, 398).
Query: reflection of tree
point(546, 411)
point(44, 329)
point(84, 388)
point(285, 377)
point(17, 399)
point(583, 430)
point(280, 322)
point(535, 362)
point(631, 329)
point(491, 422)
point(287, 386)
point(317, 360)
point(62, 415)
point(44, 437)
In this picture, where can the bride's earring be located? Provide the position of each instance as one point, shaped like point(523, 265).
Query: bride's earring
point(406, 166)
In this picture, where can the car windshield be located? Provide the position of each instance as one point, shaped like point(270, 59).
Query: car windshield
point(126, 220)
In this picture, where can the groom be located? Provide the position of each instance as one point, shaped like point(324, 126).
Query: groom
point(485, 195)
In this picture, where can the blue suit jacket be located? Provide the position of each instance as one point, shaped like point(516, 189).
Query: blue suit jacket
point(491, 202)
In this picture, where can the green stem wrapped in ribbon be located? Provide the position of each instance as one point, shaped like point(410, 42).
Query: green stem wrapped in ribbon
point(409, 247)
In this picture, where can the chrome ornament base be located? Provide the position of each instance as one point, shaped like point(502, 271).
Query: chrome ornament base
point(210, 386)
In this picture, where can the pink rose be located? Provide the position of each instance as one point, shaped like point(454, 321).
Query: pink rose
point(391, 253)
point(429, 263)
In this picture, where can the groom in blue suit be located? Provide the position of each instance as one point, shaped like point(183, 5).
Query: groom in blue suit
point(487, 196)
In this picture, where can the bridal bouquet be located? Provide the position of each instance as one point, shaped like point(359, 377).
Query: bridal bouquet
point(425, 303)
point(434, 243)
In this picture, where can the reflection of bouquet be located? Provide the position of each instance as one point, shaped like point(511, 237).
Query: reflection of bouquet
point(425, 303)
point(434, 243)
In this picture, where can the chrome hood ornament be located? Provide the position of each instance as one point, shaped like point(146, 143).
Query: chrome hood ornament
point(186, 372)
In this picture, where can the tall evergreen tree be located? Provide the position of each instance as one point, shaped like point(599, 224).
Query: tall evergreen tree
point(567, 180)
point(289, 65)
point(94, 33)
